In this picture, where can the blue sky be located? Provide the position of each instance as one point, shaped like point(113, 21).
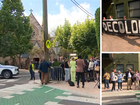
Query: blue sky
point(58, 10)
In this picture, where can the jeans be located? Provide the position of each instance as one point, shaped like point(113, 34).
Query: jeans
point(119, 85)
point(91, 74)
point(113, 85)
point(107, 83)
point(82, 77)
point(67, 74)
point(32, 74)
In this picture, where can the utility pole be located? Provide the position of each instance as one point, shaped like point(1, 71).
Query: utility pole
point(45, 30)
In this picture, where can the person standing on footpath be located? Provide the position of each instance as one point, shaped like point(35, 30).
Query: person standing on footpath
point(73, 70)
point(32, 70)
point(120, 77)
point(67, 70)
point(44, 71)
point(113, 80)
point(129, 76)
point(56, 66)
point(106, 79)
point(91, 67)
point(80, 70)
point(63, 68)
point(136, 76)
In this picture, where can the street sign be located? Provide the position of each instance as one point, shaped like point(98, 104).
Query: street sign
point(48, 44)
point(56, 44)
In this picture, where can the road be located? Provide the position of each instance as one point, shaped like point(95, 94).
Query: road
point(22, 78)
point(21, 91)
point(121, 98)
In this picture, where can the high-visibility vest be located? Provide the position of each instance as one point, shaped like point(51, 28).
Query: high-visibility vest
point(32, 67)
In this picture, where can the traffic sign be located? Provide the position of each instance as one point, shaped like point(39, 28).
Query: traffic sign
point(48, 44)
point(56, 44)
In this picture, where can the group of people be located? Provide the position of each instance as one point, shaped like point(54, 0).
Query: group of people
point(74, 69)
point(111, 18)
point(130, 78)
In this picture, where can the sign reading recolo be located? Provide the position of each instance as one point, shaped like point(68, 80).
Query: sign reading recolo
point(122, 26)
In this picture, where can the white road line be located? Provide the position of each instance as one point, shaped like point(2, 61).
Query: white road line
point(49, 90)
point(79, 99)
point(17, 104)
point(67, 93)
point(8, 97)
point(52, 103)
point(2, 84)
point(117, 101)
point(111, 94)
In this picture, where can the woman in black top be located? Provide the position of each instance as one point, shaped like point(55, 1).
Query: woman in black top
point(67, 70)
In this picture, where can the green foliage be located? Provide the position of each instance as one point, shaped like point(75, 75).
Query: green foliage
point(15, 29)
point(83, 37)
point(98, 28)
point(63, 34)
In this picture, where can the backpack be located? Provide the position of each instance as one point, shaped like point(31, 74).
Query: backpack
point(70, 83)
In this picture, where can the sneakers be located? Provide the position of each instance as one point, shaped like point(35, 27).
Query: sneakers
point(118, 89)
point(121, 89)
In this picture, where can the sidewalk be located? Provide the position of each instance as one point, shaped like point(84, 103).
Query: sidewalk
point(114, 43)
point(124, 87)
point(88, 90)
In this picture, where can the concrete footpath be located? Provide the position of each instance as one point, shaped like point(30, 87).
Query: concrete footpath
point(119, 43)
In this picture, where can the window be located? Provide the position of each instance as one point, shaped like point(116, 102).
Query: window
point(120, 10)
point(131, 66)
point(120, 67)
point(134, 9)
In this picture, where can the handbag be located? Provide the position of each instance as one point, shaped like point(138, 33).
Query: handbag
point(96, 68)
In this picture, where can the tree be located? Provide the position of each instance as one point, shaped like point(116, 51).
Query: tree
point(15, 29)
point(62, 36)
point(83, 37)
point(98, 28)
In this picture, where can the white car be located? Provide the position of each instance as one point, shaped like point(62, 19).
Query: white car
point(8, 71)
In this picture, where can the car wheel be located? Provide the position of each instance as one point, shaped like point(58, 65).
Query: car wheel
point(7, 74)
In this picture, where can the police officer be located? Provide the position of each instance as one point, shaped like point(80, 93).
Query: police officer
point(32, 70)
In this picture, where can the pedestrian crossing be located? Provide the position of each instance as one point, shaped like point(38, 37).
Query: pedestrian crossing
point(120, 98)
point(3, 82)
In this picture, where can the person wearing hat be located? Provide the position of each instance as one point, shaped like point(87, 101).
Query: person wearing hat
point(32, 70)
point(106, 79)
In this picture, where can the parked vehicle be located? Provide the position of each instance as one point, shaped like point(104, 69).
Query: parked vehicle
point(8, 71)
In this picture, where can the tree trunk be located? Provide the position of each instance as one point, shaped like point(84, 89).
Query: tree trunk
point(19, 61)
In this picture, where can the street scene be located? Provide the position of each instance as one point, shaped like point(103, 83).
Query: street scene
point(49, 52)
point(18, 89)
point(120, 32)
point(120, 79)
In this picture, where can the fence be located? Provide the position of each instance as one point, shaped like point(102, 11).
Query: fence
point(57, 73)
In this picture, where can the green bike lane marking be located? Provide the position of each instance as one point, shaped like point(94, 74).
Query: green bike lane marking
point(38, 96)
point(137, 93)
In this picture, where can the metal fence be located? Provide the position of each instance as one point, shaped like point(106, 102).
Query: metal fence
point(57, 73)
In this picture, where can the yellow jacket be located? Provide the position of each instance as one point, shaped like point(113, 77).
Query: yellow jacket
point(106, 76)
point(32, 67)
